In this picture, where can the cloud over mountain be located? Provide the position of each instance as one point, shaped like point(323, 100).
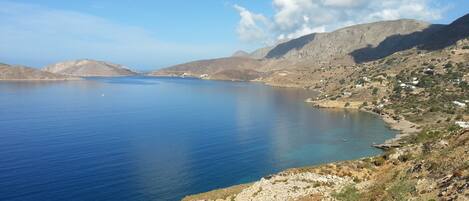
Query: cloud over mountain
point(294, 18)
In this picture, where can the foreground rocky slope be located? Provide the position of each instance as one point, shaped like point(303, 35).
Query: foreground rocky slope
point(423, 93)
point(86, 68)
point(8, 72)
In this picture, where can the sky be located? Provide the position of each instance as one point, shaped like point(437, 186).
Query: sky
point(151, 34)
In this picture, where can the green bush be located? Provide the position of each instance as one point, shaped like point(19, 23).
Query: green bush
point(375, 91)
point(401, 190)
point(379, 161)
point(342, 81)
point(448, 65)
point(348, 193)
point(405, 157)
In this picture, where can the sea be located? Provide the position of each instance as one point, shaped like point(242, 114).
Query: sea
point(149, 138)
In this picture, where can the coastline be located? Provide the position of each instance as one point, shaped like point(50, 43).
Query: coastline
point(327, 178)
point(397, 123)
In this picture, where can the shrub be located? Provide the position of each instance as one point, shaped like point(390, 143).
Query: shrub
point(379, 161)
point(347, 104)
point(342, 81)
point(405, 157)
point(348, 193)
point(453, 127)
point(375, 91)
point(365, 104)
point(401, 190)
point(448, 65)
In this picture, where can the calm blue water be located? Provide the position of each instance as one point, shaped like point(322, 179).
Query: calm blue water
point(163, 138)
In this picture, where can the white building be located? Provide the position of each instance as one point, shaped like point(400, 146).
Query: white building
point(462, 124)
point(459, 104)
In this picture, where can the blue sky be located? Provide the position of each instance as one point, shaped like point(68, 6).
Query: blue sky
point(152, 34)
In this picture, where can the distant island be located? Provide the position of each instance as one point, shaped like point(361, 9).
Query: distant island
point(69, 70)
point(89, 68)
point(19, 73)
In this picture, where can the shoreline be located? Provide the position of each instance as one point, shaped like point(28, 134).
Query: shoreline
point(343, 170)
point(397, 123)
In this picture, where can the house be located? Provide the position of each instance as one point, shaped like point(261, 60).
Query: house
point(459, 104)
point(347, 94)
point(462, 124)
point(429, 71)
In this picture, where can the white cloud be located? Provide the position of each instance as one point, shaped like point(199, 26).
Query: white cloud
point(294, 18)
point(252, 27)
point(36, 35)
point(343, 3)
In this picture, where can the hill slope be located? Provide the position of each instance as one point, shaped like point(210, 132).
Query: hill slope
point(328, 47)
point(294, 62)
point(421, 90)
point(8, 72)
point(88, 67)
point(230, 68)
point(425, 94)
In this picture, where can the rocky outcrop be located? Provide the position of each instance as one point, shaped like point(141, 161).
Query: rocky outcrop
point(88, 68)
point(8, 72)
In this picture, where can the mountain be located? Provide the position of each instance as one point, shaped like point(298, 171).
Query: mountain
point(448, 35)
point(433, 38)
point(229, 68)
point(8, 72)
point(327, 48)
point(261, 52)
point(292, 62)
point(240, 53)
point(86, 67)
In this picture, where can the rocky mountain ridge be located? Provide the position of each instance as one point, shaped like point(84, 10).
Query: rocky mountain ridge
point(345, 47)
point(19, 73)
point(87, 68)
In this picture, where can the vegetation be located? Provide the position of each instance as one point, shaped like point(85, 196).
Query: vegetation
point(348, 193)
